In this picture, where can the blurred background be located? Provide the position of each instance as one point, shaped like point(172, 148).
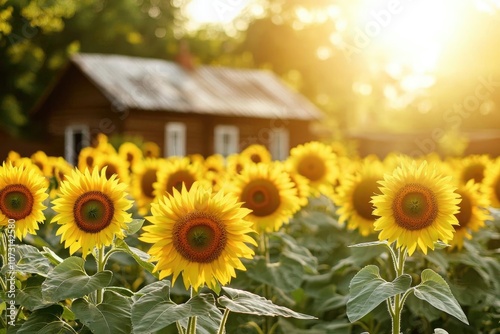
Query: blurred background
point(421, 74)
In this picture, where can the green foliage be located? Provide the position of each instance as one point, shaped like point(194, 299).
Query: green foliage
point(45, 321)
point(154, 310)
point(109, 317)
point(240, 301)
point(368, 290)
point(69, 280)
point(436, 292)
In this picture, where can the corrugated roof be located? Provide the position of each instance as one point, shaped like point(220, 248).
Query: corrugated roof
point(156, 84)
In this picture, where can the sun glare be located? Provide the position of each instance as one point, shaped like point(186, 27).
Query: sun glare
point(215, 11)
point(421, 30)
point(410, 37)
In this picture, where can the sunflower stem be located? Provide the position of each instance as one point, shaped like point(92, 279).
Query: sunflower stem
point(191, 327)
point(222, 327)
point(108, 255)
point(267, 290)
point(264, 246)
point(398, 299)
point(180, 330)
point(394, 258)
point(100, 267)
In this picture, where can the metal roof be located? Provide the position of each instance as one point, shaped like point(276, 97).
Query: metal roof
point(156, 84)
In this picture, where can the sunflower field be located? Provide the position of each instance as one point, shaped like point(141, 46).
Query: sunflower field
point(324, 242)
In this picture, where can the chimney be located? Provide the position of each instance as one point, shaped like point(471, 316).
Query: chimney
point(184, 57)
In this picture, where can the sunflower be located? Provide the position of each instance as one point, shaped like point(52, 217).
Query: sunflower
point(22, 192)
point(196, 158)
point(103, 145)
point(131, 153)
point(114, 165)
point(199, 233)
point(150, 150)
point(12, 157)
point(91, 210)
point(473, 212)
point(472, 168)
point(41, 160)
point(491, 183)
point(236, 163)
point(339, 148)
point(214, 163)
point(417, 206)
point(177, 171)
point(60, 170)
point(354, 197)
point(257, 153)
point(316, 162)
point(268, 191)
point(86, 158)
point(144, 176)
point(301, 184)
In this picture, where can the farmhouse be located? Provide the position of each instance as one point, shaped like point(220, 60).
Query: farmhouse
point(184, 109)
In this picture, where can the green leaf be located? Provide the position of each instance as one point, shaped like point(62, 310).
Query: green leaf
point(440, 331)
point(440, 245)
point(287, 274)
point(300, 254)
point(31, 296)
point(134, 226)
point(121, 290)
point(368, 290)
point(139, 256)
point(46, 321)
point(154, 309)
point(109, 317)
point(240, 301)
point(371, 243)
point(32, 261)
point(69, 280)
point(52, 256)
point(436, 292)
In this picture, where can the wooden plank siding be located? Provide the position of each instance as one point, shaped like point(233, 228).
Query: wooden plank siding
point(200, 129)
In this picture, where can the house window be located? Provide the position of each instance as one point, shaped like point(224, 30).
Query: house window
point(175, 139)
point(76, 137)
point(226, 139)
point(279, 143)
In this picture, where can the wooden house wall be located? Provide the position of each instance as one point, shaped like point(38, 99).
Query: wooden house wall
point(76, 100)
point(200, 129)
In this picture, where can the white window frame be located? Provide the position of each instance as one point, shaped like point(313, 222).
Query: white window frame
point(70, 150)
point(279, 144)
point(226, 139)
point(175, 139)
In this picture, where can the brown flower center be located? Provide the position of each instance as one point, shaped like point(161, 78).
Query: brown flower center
point(312, 167)
point(16, 201)
point(175, 180)
point(93, 211)
point(465, 214)
point(361, 197)
point(89, 161)
point(415, 207)
point(130, 157)
point(111, 170)
point(199, 237)
point(475, 172)
point(262, 197)
point(256, 158)
point(497, 188)
point(147, 181)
